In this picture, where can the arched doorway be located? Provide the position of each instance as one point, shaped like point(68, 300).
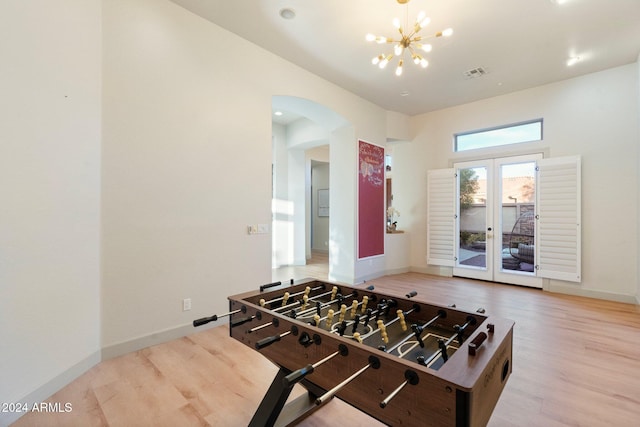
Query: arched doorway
point(302, 138)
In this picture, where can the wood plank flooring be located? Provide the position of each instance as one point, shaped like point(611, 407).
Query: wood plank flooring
point(576, 362)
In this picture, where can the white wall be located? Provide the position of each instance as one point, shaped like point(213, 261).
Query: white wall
point(49, 195)
point(282, 225)
point(187, 165)
point(320, 224)
point(595, 116)
point(638, 236)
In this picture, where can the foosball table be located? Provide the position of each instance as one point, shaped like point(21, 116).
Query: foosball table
point(401, 361)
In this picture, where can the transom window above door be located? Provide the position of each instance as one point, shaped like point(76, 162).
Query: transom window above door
point(529, 131)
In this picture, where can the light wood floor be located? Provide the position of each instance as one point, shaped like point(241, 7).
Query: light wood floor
point(576, 362)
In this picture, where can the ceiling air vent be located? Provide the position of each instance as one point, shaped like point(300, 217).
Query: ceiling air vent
point(475, 72)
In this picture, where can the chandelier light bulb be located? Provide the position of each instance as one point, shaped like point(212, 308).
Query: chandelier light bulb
point(396, 23)
point(399, 68)
point(370, 37)
point(383, 63)
point(422, 21)
point(447, 32)
point(398, 49)
point(424, 63)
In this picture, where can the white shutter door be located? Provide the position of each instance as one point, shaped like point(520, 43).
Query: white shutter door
point(558, 231)
point(441, 224)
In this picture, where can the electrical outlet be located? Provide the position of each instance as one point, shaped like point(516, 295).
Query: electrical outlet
point(186, 304)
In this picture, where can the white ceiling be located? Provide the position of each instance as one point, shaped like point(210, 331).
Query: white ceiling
point(519, 43)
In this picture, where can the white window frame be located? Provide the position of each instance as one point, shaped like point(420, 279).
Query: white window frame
point(494, 139)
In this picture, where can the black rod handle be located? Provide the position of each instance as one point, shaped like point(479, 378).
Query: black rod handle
point(298, 375)
point(264, 342)
point(269, 285)
point(242, 321)
point(204, 320)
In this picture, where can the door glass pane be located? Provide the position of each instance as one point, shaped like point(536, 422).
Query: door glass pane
point(473, 217)
point(518, 216)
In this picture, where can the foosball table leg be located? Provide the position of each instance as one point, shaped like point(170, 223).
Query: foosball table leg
point(273, 411)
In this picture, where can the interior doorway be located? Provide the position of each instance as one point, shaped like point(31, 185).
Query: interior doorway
point(305, 133)
point(495, 220)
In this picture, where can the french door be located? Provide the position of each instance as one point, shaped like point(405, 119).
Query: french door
point(495, 230)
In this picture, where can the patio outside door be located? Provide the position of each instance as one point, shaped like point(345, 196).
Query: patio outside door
point(495, 221)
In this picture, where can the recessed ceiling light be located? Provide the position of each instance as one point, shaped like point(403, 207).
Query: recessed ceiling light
point(278, 113)
point(287, 13)
point(573, 61)
point(404, 93)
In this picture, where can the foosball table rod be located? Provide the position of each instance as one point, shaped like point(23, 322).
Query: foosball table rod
point(445, 344)
point(205, 320)
point(353, 294)
point(298, 375)
point(411, 378)
point(275, 322)
point(383, 326)
point(418, 329)
point(291, 295)
point(374, 363)
point(264, 342)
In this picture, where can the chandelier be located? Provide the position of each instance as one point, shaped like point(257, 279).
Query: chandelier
point(409, 41)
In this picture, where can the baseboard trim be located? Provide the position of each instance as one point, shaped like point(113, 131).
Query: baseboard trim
point(591, 293)
point(393, 271)
point(433, 270)
point(552, 286)
point(125, 347)
point(45, 391)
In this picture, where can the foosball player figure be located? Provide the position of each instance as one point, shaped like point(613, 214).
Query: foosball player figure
point(354, 308)
point(285, 298)
point(329, 320)
point(357, 337)
point(403, 323)
point(383, 331)
point(343, 311)
point(365, 301)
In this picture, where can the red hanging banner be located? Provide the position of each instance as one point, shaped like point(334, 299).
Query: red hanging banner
point(371, 209)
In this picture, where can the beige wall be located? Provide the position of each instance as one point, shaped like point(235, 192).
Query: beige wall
point(187, 155)
point(49, 195)
point(638, 188)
